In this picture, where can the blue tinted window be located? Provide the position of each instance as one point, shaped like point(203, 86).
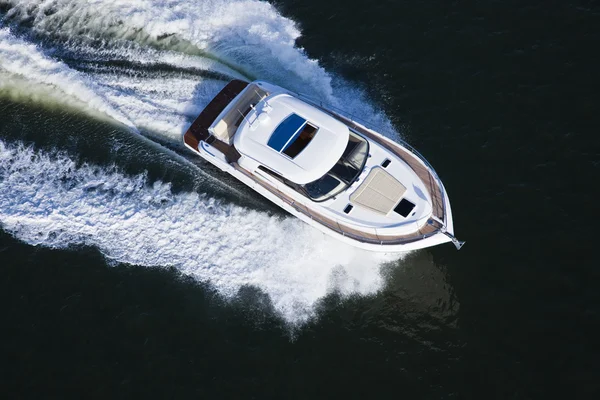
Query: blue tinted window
point(286, 132)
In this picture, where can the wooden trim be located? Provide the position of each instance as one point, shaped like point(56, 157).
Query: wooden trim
point(199, 129)
point(344, 230)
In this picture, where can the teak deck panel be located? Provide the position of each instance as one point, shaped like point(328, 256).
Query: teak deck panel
point(198, 131)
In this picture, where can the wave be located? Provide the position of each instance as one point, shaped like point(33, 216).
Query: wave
point(47, 199)
point(153, 66)
point(23, 59)
point(235, 38)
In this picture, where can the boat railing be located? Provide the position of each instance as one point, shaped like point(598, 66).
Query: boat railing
point(339, 228)
point(334, 224)
point(370, 126)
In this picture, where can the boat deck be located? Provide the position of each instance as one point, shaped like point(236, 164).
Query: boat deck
point(345, 230)
point(431, 183)
point(198, 131)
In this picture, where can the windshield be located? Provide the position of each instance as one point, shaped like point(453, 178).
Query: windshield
point(344, 172)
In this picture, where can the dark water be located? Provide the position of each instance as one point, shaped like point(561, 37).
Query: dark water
point(500, 96)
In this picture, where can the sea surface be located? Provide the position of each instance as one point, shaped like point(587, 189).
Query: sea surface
point(129, 268)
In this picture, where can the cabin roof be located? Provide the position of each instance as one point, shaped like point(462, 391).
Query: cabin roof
point(279, 133)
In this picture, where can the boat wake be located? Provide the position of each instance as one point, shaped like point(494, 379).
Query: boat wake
point(46, 199)
point(153, 66)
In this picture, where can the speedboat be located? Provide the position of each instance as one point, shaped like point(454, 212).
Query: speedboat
point(324, 167)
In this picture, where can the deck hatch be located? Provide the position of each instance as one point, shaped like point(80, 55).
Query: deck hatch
point(286, 132)
point(292, 136)
point(404, 208)
point(295, 147)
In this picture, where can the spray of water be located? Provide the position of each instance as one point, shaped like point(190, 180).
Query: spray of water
point(48, 200)
point(234, 38)
point(153, 65)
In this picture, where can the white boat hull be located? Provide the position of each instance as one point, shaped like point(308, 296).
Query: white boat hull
point(224, 156)
point(212, 156)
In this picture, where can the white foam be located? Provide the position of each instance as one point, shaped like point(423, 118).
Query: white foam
point(158, 104)
point(18, 57)
point(247, 34)
point(46, 199)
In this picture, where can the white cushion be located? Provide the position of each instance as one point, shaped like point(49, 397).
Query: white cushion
point(379, 192)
